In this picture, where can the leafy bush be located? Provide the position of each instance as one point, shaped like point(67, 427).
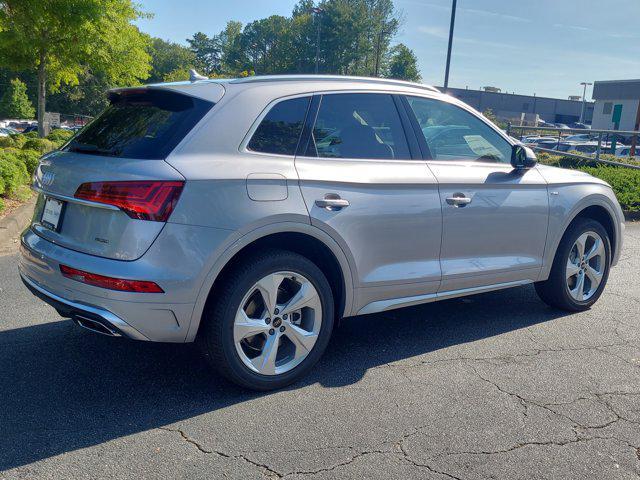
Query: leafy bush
point(13, 172)
point(41, 145)
point(30, 158)
point(624, 181)
point(1, 204)
point(6, 142)
point(33, 134)
point(19, 140)
point(59, 136)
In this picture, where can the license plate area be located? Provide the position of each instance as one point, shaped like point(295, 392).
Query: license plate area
point(52, 214)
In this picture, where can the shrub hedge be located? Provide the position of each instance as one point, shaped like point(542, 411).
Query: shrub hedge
point(19, 156)
point(625, 182)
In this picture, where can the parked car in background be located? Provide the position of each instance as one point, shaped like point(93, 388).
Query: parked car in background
point(625, 151)
point(30, 128)
point(253, 213)
point(580, 137)
point(580, 125)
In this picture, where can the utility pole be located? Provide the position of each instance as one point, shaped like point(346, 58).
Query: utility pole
point(317, 11)
point(584, 94)
point(453, 20)
point(378, 48)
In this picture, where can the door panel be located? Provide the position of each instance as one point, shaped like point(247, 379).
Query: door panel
point(363, 185)
point(500, 235)
point(392, 226)
point(494, 218)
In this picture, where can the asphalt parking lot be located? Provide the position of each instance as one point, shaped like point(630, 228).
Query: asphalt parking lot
point(493, 386)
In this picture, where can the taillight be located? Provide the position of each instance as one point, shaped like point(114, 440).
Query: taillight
point(139, 286)
point(143, 200)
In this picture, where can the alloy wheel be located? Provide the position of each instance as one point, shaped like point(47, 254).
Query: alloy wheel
point(585, 266)
point(277, 323)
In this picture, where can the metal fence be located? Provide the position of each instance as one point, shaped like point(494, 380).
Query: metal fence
point(607, 140)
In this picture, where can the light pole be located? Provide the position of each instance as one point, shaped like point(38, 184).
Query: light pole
point(453, 20)
point(584, 94)
point(317, 11)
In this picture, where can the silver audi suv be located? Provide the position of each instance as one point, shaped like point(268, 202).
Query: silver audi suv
point(251, 214)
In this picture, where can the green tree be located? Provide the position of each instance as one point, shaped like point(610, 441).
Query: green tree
point(168, 57)
point(403, 64)
point(207, 51)
point(63, 39)
point(15, 103)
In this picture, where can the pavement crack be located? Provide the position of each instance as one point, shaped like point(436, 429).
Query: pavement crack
point(266, 470)
point(186, 438)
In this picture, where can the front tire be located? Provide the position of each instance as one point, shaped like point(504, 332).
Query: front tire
point(580, 268)
point(270, 320)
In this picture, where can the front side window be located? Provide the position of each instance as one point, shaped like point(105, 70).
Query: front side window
point(358, 125)
point(279, 131)
point(452, 133)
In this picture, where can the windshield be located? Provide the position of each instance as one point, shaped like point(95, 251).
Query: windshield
point(144, 124)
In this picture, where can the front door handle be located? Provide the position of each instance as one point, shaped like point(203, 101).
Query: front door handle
point(458, 200)
point(332, 201)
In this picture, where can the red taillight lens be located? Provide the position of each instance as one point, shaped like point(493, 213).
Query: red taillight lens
point(143, 200)
point(139, 286)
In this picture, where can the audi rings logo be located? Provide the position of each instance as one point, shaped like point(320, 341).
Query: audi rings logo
point(47, 178)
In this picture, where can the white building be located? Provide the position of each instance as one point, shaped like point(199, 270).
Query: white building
point(617, 101)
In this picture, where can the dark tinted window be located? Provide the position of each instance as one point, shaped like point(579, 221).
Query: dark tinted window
point(358, 125)
point(145, 124)
point(280, 130)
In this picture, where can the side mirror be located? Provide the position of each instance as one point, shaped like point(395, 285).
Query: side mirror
point(522, 157)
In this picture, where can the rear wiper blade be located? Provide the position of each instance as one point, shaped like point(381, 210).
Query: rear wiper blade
point(90, 148)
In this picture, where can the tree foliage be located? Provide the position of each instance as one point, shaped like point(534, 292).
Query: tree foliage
point(403, 64)
point(168, 58)
point(64, 39)
point(89, 46)
point(15, 103)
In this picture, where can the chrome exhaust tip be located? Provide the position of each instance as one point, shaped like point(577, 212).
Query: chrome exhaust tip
point(95, 326)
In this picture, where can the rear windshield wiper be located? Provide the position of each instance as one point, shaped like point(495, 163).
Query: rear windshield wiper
point(90, 148)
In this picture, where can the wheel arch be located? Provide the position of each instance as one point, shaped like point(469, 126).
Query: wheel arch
point(304, 239)
point(596, 207)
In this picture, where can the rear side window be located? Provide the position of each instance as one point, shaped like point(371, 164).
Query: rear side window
point(279, 131)
point(358, 125)
point(142, 124)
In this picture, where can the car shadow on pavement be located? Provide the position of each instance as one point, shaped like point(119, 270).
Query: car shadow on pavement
point(62, 388)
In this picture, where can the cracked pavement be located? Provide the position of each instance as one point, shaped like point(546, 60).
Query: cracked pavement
point(492, 386)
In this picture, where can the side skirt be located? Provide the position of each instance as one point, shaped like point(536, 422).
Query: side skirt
point(393, 303)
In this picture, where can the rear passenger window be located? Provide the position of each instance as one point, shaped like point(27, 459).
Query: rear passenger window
point(280, 129)
point(358, 125)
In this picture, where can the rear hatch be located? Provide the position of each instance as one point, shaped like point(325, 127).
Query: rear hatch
point(109, 192)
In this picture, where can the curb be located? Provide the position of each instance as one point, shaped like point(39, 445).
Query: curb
point(631, 216)
point(12, 225)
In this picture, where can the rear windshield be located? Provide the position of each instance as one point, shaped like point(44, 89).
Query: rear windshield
point(144, 124)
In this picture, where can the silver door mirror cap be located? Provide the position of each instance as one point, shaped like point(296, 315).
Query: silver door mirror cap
point(523, 157)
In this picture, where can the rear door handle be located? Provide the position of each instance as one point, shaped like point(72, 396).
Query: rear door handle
point(332, 201)
point(458, 200)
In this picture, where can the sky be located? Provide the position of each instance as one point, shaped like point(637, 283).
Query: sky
point(542, 47)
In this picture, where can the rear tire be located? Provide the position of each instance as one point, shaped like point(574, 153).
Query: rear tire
point(580, 268)
point(264, 344)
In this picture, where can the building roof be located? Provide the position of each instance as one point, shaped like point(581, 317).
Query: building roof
point(616, 89)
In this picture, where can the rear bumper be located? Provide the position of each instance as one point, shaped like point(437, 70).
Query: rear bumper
point(171, 262)
point(88, 316)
